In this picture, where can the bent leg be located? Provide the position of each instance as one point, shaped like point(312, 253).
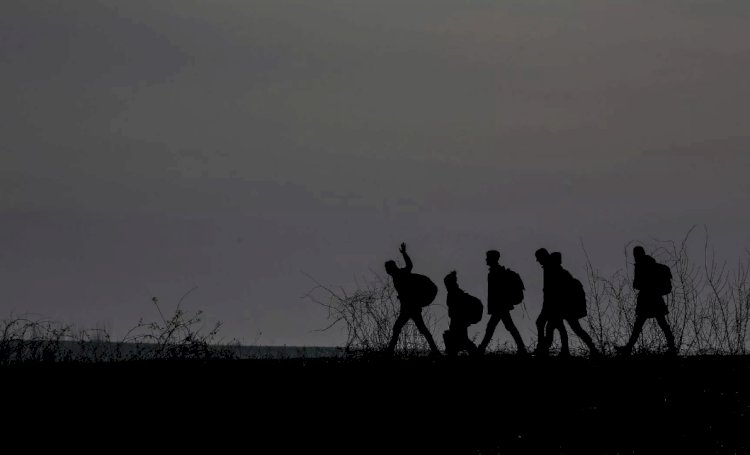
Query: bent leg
point(448, 342)
point(464, 343)
point(541, 337)
point(552, 325)
point(511, 327)
point(470, 346)
point(662, 321)
point(549, 335)
point(564, 349)
point(575, 325)
point(637, 328)
point(397, 326)
point(491, 325)
point(452, 339)
point(422, 327)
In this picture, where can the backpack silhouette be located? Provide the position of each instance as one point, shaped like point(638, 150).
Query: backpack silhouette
point(472, 308)
point(662, 276)
point(514, 287)
point(577, 298)
point(420, 290)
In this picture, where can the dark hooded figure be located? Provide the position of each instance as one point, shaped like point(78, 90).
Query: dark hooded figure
point(551, 317)
point(548, 319)
point(504, 291)
point(463, 310)
point(652, 281)
point(568, 303)
point(413, 296)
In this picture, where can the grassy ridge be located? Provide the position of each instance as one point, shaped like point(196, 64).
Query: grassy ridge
point(496, 404)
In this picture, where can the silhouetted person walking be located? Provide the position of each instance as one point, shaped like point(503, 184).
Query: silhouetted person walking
point(504, 291)
point(550, 318)
point(652, 281)
point(463, 310)
point(414, 292)
point(569, 303)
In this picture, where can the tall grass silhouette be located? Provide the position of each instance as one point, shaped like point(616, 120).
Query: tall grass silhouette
point(709, 312)
point(709, 306)
point(368, 314)
point(179, 335)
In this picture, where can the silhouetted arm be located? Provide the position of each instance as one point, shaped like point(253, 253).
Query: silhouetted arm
point(407, 259)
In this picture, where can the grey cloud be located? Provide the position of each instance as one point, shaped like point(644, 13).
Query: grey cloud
point(233, 145)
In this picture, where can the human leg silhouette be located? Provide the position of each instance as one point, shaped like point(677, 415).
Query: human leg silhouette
point(662, 321)
point(511, 327)
point(564, 350)
point(470, 347)
point(637, 328)
point(422, 327)
point(491, 325)
point(452, 339)
point(585, 337)
point(450, 346)
point(548, 336)
point(551, 326)
point(401, 320)
point(457, 340)
point(542, 348)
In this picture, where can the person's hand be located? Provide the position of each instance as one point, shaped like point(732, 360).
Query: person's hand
point(403, 248)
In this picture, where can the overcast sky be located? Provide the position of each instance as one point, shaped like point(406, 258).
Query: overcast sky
point(148, 147)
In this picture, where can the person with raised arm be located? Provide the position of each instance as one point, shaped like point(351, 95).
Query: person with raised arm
point(414, 293)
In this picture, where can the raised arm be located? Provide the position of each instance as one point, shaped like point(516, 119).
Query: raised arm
point(407, 259)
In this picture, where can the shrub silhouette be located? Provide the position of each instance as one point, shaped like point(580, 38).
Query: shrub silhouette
point(368, 315)
point(179, 336)
point(709, 306)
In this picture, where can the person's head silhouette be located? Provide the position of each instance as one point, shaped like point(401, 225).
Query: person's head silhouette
point(542, 256)
point(492, 257)
point(639, 253)
point(390, 267)
point(451, 280)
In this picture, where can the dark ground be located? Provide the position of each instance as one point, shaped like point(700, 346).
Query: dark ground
point(495, 404)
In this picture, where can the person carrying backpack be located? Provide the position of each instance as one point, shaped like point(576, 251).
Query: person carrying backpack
point(414, 292)
point(569, 299)
point(504, 291)
point(548, 319)
point(652, 281)
point(463, 310)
